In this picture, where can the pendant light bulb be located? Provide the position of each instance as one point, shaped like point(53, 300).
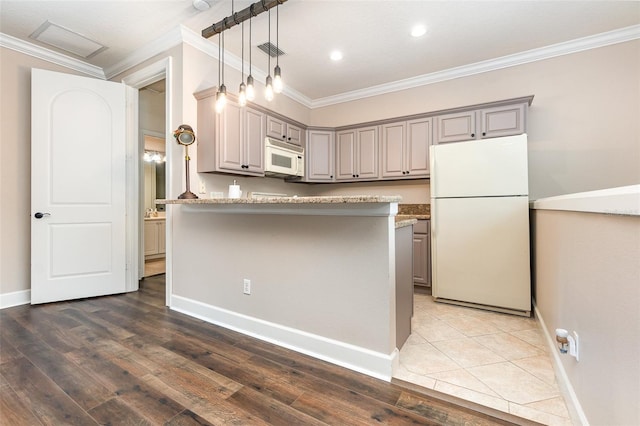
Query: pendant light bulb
point(277, 79)
point(221, 98)
point(268, 93)
point(242, 95)
point(251, 90)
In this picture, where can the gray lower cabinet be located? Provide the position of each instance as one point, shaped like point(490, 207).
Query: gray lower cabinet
point(320, 156)
point(422, 253)
point(502, 120)
point(404, 284)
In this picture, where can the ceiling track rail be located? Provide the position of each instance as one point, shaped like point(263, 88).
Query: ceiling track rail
point(254, 10)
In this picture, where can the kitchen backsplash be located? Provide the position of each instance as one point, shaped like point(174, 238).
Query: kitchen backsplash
point(414, 209)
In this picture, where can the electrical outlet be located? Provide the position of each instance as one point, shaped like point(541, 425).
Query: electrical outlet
point(247, 286)
point(203, 187)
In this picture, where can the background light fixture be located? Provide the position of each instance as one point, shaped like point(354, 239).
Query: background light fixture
point(277, 72)
point(336, 55)
point(251, 90)
point(418, 30)
point(268, 90)
point(221, 95)
point(242, 91)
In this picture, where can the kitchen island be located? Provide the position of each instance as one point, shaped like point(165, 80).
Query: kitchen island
point(320, 273)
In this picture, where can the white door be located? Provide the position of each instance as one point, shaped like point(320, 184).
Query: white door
point(77, 187)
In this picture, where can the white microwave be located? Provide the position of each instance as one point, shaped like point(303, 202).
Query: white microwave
point(283, 159)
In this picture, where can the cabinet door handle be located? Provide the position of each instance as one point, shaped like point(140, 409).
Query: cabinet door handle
point(484, 133)
point(473, 135)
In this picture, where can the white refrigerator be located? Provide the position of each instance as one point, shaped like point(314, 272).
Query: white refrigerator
point(480, 224)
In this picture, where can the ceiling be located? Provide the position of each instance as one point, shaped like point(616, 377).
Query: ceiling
point(374, 36)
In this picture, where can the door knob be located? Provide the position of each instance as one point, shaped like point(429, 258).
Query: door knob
point(41, 215)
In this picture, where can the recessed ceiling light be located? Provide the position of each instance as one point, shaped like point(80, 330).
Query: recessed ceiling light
point(336, 55)
point(418, 30)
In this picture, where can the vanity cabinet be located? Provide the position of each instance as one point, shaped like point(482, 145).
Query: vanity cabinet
point(285, 131)
point(231, 141)
point(154, 238)
point(405, 149)
point(320, 154)
point(502, 120)
point(357, 154)
point(422, 253)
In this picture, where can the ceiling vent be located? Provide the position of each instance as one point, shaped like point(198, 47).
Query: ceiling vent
point(270, 49)
point(61, 38)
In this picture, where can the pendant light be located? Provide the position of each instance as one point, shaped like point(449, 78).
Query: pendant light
point(251, 91)
point(242, 92)
point(221, 96)
point(268, 92)
point(277, 73)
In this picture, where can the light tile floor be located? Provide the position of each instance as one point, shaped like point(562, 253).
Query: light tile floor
point(154, 267)
point(497, 360)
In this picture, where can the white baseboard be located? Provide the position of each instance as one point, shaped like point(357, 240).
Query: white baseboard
point(362, 360)
point(578, 417)
point(8, 300)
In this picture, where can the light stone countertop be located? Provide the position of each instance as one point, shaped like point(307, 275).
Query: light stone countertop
point(413, 216)
point(340, 199)
point(405, 222)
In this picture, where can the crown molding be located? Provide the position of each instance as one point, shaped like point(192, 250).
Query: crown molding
point(181, 34)
point(566, 48)
point(48, 55)
point(148, 51)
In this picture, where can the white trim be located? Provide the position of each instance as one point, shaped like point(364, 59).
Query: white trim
point(565, 48)
point(133, 210)
point(50, 56)
point(624, 200)
point(139, 79)
point(576, 412)
point(156, 47)
point(362, 360)
point(16, 298)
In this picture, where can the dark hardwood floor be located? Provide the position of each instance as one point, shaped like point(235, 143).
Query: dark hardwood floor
point(128, 360)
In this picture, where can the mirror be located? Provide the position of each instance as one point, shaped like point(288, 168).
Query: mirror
point(154, 171)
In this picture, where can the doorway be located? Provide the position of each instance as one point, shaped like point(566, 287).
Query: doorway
point(152, 125)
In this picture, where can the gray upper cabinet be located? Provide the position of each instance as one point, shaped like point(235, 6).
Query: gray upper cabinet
point(357, 154)
point(490, 122)
point(320, 154)
point(285, 131)
point(502, 121)
point(405, 149)
point(231, 141)
point(394, 140)
point(456, 127)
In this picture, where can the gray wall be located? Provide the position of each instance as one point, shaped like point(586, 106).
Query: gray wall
point(584, 127)
point(587, 279)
